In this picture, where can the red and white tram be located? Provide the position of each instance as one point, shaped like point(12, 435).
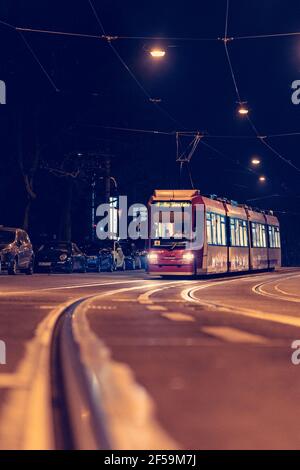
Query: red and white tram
point(233, 238)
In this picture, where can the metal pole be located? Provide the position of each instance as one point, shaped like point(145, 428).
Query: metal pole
point(107, 178)
point(93, 208)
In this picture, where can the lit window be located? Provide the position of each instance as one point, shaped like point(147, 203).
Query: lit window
point(274, 237)
point(208, 228)
point(216, 229)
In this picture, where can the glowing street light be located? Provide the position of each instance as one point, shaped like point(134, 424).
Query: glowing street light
point(157, 53)
point(255, 161)
point(243, 110)
point(262, 179)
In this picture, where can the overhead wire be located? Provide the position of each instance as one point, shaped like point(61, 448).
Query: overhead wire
point(110, 38)
point(151, 38)
point(223, 155)
point(38, 61)
point(259, 136)
point(4, 23)
point(34, 55)
point(126, 66)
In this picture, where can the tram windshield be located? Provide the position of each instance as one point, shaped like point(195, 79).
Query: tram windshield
point(171, 224)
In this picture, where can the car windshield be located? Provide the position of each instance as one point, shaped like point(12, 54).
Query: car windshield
point(7, 236)
point(56, 246)
point(106, 245)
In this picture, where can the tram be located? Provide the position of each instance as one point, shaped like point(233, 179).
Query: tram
point(191, 234)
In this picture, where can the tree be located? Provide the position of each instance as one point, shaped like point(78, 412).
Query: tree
point(30, 165)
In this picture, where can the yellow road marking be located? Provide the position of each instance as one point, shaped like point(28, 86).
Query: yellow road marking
point(47, 307)
point(156, 307)
point(74, 286)
point(233, 335)
point(27, 412)
point(177, 316)
point(11, 380)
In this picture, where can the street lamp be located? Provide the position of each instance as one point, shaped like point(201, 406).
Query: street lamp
point(255, 161)
point(243, 109)
point(157, 53)
point(262, 179)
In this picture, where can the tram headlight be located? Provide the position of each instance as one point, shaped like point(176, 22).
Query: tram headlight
point(188, 256)
point(152, 257)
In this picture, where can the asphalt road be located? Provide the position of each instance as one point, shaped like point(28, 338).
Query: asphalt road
point(191, 364)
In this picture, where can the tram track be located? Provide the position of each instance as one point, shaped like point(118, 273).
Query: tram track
point(189, 295)
point(77, 422)
point(92, 396)
point(78, 396)
point(281, 295)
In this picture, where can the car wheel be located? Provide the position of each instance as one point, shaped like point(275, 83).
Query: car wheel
point(112, 267)
point(29, 270)
point(70, 269)
point(83, 269)
point(139, 264)
point(12, 268)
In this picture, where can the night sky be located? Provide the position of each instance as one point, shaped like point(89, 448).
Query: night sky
point(62, 91)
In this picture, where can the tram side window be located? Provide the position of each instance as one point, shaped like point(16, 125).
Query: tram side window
point(216, 229)
point(274, 237)
point(238, 232)
point(208, 228)
point(259, 237)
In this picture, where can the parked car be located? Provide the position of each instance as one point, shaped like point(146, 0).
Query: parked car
point(100, 257)
point(60, 256)
point(116, 251)
point(92, 257)
point(132, 257)
point(16, 251)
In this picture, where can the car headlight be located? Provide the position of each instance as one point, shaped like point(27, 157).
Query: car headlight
point(152, 257)
point(63, 257)
point(188, 256)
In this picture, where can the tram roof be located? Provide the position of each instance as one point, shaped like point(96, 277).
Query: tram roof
point(175, 194)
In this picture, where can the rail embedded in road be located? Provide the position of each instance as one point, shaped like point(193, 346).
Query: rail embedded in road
point(99, 405)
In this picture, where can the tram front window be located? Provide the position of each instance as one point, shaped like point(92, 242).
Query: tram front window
point(171, 224)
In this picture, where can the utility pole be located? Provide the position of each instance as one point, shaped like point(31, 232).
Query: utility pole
point(93, 185)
